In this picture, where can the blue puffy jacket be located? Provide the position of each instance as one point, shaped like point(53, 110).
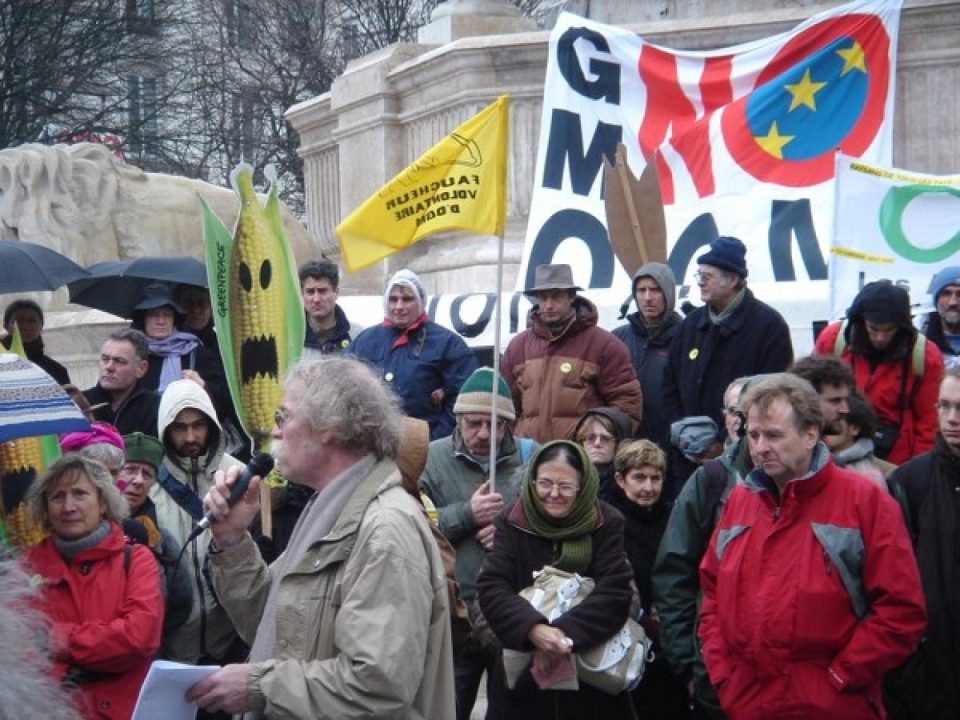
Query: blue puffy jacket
point(433, 358)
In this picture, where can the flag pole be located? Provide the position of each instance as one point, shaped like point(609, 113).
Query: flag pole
point(504, 121)
point(496, 366)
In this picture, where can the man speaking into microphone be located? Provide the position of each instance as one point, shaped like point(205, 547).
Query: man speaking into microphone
point(352, 620)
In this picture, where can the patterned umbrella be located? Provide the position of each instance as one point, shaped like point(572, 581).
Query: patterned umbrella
point(32, 403)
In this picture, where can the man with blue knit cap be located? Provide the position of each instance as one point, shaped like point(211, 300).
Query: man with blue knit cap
point(422, 361)
point(942, 327)
point(731, 336)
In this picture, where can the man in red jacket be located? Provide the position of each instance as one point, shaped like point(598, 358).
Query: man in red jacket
point(896, 367)
point(810, 589)
point(563, 364)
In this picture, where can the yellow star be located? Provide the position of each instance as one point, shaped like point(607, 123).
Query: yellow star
point(852, 59)
point(773, 142)
point(804, 91)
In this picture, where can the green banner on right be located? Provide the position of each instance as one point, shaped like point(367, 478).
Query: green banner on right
point(894, 224)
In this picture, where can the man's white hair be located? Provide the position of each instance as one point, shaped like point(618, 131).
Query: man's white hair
point(27, 688)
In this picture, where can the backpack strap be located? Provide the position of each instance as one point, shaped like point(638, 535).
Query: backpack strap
point(840, 342)
point(918, 357)
point(526, 449)
point(915, 493)
point(182, 494)
point(716, 477)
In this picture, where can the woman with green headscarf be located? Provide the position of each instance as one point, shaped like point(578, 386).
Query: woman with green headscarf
point(558, 521)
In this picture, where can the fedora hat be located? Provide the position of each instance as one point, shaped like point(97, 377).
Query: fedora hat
point(552, 277)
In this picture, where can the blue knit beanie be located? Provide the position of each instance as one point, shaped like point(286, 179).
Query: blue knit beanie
point(944, 279)
point(726, 253)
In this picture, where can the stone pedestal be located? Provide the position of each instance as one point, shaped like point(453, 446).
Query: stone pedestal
point(457, 19)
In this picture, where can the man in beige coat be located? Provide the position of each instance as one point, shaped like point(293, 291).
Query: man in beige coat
point(352, 620)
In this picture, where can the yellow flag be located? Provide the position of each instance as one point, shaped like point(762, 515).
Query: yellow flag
point(458, 184)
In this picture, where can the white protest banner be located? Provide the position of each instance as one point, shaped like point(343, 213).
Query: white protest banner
point(894, 224)
point(743, 138)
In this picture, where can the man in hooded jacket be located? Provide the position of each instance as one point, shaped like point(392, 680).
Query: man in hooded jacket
point(648, 335)
point(894, 366)
point(193, 444)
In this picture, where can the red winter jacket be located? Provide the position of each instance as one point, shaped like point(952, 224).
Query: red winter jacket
point(106, 619)
point(555, 380)
point(807, 604)
point(882, 388)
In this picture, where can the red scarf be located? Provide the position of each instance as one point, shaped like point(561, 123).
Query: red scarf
point(405, 333)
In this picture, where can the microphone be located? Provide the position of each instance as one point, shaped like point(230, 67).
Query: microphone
point(260, 465)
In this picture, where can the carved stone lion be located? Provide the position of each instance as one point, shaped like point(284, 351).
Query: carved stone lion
point(85, 203)
point(90, 206)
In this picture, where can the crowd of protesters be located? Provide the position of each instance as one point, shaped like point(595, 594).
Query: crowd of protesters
point(778, 536)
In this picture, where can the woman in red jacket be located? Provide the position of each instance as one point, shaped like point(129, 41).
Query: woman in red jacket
point(102, 596)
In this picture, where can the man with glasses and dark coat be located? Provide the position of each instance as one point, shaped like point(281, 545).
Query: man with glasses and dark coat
point(732, 335)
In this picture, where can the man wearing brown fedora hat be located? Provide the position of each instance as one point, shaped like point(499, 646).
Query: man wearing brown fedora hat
point(563, 364)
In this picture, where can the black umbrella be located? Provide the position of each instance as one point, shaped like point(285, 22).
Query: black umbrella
point(27, 266)
point(118, 286)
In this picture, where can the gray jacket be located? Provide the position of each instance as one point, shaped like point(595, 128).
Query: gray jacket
point(451, 477)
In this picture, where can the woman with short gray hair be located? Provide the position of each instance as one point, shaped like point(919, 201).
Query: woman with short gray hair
point(101, 594)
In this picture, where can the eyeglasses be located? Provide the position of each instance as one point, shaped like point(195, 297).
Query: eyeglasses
point(731, 410)
point(477, 424)
point(947, 407)
point(705, 277)
point(132, 471)
point(598, 438)
point(546, 487)
point(279, 418)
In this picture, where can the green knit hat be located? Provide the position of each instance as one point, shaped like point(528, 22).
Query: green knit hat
point(476, 395)
point(143, 448)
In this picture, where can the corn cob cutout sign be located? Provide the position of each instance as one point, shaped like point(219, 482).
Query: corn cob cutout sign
point(256, 301)
point(21, 461)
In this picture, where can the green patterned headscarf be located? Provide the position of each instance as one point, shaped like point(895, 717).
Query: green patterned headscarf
point(573, 530)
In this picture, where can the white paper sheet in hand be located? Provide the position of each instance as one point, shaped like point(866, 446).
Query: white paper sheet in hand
point(163, 691)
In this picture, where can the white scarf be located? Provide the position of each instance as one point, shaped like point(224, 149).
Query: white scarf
point(316, 521)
